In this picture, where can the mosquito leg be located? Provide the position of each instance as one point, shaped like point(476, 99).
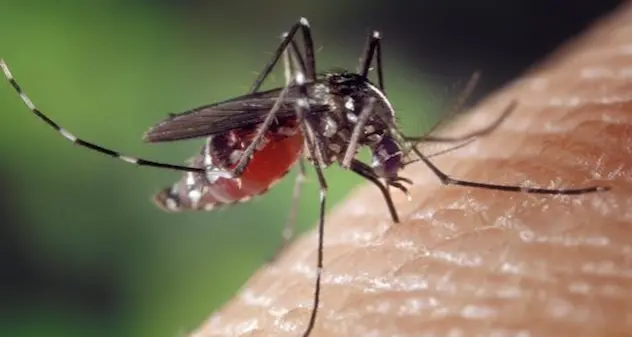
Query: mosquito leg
point(355, 134)
point(447, 180)
point(287, 64)
point(297, 57)
point(366, 172)
point(290, 58)
point(315, 152)
point(373, 47)
point(263, 128)
point(292, 61)
point(89, 145)
point(310, 72)
point(321, 235)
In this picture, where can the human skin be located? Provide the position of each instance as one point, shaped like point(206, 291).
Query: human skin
point(471, 262)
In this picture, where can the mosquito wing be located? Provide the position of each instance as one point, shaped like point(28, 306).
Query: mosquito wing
point(240, 112)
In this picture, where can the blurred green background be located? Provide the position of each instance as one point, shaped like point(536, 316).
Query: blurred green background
point(82, 249)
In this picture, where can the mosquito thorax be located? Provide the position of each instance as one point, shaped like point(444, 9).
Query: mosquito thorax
point(348, 94)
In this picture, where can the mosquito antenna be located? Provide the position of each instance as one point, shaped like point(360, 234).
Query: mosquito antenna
point(456, 107)
point(510, 108)
point(468, 136)
point(442, 152)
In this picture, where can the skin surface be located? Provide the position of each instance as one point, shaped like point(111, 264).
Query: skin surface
point(470, 262)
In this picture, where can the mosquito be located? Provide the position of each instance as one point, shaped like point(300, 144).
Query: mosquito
point(253, 140)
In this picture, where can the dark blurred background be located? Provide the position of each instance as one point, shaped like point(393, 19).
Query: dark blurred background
point(83, 252)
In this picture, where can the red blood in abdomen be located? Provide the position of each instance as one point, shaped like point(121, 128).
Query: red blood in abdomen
point(267, 166)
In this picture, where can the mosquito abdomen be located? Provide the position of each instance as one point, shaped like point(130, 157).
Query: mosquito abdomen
point(197, 191)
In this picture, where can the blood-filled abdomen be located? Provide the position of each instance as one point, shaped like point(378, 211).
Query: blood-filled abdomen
point(275, 156)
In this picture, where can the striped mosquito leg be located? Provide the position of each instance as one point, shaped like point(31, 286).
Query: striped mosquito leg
point(315, 152)
point(367, 172)
point(69, 136)
point(287, 39)
point(355, 134)
point(372, 50)
point(447, 180)
point(309, 70)
point(292, 60)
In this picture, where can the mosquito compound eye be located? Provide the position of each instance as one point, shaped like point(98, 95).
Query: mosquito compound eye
point(387, 158)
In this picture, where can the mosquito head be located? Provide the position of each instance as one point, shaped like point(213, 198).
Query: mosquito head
point(387, 158)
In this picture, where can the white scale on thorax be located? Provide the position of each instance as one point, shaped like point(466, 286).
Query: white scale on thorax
point(350, 106)
point(352, 117)
point(331, 127)
point(320, 90)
